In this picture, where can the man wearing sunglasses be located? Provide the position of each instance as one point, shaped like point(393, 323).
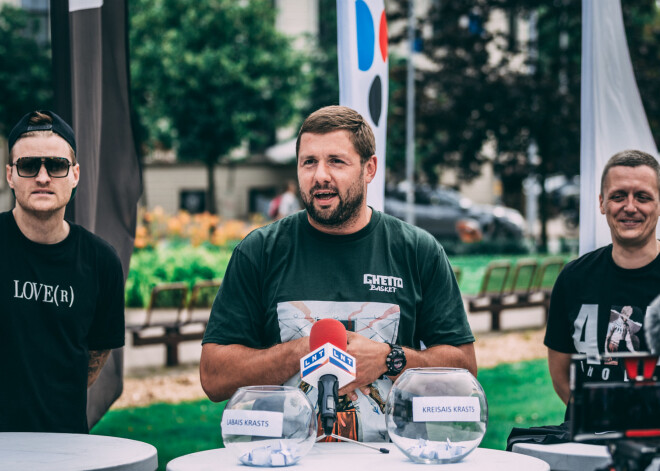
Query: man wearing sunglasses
point(61, 287)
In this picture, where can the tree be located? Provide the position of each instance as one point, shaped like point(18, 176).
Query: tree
point(476, 89)
point(25, 75)
point(213, 75)
point(457, 98)
point(324, 72)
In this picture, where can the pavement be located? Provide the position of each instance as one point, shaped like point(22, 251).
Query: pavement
point(144, 358)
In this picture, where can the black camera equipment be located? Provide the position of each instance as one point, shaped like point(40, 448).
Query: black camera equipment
point(624, 415)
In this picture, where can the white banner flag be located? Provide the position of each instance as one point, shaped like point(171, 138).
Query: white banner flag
point(612, 114)
point(363, 74)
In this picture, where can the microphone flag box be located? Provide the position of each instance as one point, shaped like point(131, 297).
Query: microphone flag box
point(327, 359)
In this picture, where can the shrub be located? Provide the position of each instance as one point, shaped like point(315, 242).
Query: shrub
point(169, 263)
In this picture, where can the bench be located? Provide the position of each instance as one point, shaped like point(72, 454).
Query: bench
point(545, 280)
point(491, 291)
point(170, 319)
point(529, 285)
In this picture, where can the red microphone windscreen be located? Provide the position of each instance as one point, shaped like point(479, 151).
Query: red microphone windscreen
point(327, 330)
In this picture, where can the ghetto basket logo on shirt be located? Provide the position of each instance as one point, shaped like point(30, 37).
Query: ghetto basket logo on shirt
point(388, 284)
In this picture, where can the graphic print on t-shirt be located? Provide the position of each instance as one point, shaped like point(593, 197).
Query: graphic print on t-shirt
point(44, 293)
point(622, 332)
point(363, 418)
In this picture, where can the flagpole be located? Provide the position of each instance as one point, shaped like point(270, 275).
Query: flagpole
point(410, 117)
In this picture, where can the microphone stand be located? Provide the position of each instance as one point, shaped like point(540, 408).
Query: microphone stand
point(345, 439)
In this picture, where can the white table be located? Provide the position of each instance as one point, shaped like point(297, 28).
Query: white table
point(567, 456)
point(73, 452)
point(347, 456)
point(572, 456)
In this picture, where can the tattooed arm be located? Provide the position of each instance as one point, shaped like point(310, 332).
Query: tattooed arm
point(97, 359)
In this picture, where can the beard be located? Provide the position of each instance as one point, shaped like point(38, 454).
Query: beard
point(347, 210)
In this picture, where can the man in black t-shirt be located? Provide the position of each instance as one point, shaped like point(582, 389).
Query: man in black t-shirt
point(599, 301)
point(61, 287)
point(388, 282)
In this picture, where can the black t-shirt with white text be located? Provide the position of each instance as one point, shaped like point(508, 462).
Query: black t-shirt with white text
point(57, 302)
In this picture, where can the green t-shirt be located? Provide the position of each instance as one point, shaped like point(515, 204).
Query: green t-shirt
point(390, 282)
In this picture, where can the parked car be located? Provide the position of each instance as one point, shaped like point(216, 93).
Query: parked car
point(449, 216)
point(564, 197)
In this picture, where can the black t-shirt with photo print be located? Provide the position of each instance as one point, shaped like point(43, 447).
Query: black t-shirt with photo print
point(598, 308)
point(57, 302)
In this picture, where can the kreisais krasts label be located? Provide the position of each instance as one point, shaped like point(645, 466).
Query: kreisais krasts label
point(446, 409)
point(252, 422)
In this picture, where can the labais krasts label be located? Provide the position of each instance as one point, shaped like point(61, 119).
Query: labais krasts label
point(252, 422)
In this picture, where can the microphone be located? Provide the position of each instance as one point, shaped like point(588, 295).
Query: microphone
point(652, 327)
point(328, 366)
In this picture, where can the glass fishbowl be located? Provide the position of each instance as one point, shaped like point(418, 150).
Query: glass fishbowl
point(436, 415)
point(269, 425)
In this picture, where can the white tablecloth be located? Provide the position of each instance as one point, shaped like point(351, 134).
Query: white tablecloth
point(349, 457)
point(73, 452)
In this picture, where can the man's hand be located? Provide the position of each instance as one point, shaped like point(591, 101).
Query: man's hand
point(370, 363)
point(370, 358)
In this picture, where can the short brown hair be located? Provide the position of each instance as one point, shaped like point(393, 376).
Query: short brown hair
point(630, 158)
point(41, 118)
point(338, 118)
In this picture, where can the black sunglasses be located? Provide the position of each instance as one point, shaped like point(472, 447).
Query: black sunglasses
point(57, 167)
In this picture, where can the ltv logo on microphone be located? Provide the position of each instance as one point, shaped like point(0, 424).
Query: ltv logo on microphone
point(327, 359)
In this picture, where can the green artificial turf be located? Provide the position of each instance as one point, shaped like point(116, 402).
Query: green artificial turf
point(174, 429)
point(473, 268)
point(518, 394)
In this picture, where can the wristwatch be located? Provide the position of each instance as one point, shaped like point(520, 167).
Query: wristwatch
point(395, 361)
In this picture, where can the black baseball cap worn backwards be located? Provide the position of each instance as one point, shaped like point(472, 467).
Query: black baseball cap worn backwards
point(58, 126)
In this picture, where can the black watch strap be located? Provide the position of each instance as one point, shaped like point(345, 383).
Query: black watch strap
point(395, 360)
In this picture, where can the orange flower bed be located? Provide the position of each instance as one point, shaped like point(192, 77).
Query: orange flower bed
point(156, 226)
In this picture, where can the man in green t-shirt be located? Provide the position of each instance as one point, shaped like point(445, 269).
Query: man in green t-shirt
point(388, 282)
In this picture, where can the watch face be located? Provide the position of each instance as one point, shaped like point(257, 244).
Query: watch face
point(396, 360)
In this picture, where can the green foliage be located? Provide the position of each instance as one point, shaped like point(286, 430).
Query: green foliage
point(461, 98)
point(25, 74)
point(174, 429)
point(211, 74)
point(169, 264)
point(485, 247)
point(183, 263)
point(525, 92)
point(518, 395)
point(324, 73)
